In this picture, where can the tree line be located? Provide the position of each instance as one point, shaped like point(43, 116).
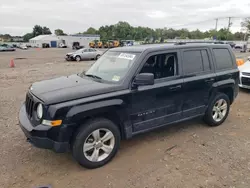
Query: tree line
point(124, 31)
point(39, 30)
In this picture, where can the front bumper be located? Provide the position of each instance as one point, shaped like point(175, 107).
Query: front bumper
point(40, 135)
point(243, 83)
point(70, 58)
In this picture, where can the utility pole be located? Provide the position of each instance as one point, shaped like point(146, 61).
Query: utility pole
point(216, 24)
point(229, 23)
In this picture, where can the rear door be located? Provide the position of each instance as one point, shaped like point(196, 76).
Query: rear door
point(199, 77)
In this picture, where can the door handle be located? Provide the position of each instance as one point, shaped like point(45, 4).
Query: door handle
point(209, 80)
point(174, 88)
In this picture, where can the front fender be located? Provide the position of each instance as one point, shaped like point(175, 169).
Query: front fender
point(85, 110)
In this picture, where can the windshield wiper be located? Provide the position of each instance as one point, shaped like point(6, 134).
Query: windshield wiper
point(93, 76)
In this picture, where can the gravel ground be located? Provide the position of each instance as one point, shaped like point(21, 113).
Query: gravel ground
point(186, 155)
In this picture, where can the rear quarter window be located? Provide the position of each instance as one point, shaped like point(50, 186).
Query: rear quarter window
point(223, 58)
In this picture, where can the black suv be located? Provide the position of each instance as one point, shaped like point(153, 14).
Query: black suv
point(128, 91)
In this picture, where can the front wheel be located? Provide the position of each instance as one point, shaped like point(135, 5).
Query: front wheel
point(217, 110)
point(96, 143)
point(78, 58)
point(97, 57)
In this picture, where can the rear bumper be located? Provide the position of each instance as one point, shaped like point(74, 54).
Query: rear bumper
point(39, 135)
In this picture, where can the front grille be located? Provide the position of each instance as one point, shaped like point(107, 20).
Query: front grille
point(246, 73)
point(245, 81)
point(29, 103)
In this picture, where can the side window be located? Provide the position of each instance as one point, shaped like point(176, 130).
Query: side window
point(192, 62)
point(86, 50)
point(206, 62)
point(161, 65)
point(222, 58)
point(196, 61)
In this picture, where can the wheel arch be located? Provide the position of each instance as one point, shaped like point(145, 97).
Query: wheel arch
point(81, 114)
point(226, 87)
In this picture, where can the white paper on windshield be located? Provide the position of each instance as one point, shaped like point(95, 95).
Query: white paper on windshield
point(126, 56)
point(116, 78)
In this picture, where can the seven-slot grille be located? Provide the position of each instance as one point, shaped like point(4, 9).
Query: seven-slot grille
point(246, 73)
point(245, 81)
point(29, 103)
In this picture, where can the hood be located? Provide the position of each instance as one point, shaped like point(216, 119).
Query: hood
point(68, 88)
point(245, 67)
point(71, 53)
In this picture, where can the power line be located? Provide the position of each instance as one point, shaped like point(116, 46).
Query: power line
point(209, 20)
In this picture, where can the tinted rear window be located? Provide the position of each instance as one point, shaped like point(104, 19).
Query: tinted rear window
point(192, 62)
point(196, 61)
point(223, 58)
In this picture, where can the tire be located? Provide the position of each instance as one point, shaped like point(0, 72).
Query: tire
point(220, 105)
point(84, 139)
point(78, 58)
point(97, 57)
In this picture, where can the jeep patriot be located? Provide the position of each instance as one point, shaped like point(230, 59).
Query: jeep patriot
point(128, 91)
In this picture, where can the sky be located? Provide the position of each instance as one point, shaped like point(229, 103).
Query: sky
point(17, 17)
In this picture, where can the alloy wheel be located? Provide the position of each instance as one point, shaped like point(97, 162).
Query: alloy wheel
point(219, 110)
point(99, 145)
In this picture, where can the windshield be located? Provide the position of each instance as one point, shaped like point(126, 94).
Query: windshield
point(112, 66)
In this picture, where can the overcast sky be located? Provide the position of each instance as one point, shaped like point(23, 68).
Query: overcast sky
point(18, 17)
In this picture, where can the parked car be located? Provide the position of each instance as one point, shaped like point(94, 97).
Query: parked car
point(85, 53)
point(128, 91)
point(240, 48)
point(6, 49)
point(62, 45)
point(23, 47)
point(76, 46)
point(232, 44)
point(245, 74)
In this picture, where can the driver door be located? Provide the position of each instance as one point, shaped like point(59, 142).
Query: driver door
point(86, 54)
point(159, 104)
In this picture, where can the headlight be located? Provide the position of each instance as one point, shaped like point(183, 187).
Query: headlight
point(39, 110)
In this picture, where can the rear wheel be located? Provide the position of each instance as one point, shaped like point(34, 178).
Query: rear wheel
point(78, 58)
point(96, 143)
point(217, 110)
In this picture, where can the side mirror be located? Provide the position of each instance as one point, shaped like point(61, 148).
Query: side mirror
point(144, 79)
point(248, 58)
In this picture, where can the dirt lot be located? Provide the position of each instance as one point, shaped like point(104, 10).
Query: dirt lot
point(200, 156)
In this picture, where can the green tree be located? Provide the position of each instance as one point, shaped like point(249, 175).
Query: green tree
point(27, 37)
point(90, 30)
point(46, 31)
point(59, 32)
point(39, 30)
